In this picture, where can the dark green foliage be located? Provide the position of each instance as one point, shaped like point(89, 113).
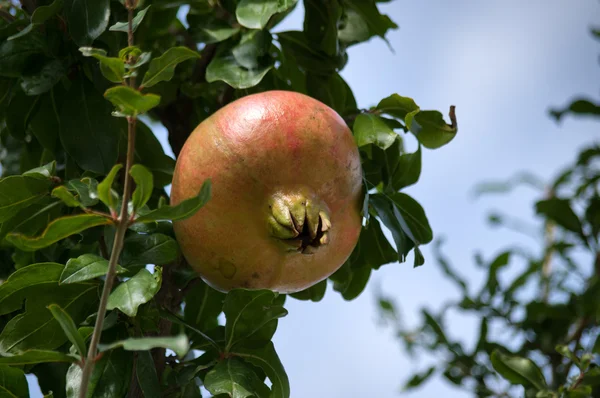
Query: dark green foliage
point(72, 88)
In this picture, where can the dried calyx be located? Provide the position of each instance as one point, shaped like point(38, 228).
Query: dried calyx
point(299, 220)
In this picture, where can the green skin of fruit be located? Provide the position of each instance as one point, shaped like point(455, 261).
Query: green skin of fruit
point(285, 212)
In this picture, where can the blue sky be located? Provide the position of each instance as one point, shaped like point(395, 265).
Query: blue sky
point(502, 63)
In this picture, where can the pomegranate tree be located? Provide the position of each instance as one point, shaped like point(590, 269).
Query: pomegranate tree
point(287, 189)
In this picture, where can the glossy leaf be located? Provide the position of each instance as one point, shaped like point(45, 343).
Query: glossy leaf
point(243, 65)
point(86, 19)
point(110, 378)
point(36, 328)
point(58, 229)
point(124, 26)
point(267, 359)
point(130, 101)
point(397, 106)
point(321, 22)
point(113, 69)
point(307, 56)
point(208, 28)
point(314, 293)
point(86, 191)
point(385, 209)
point(371, 129)
point(146, 375)
point(84, 268)
point(518, 370)
point(44, 79)
point(333, 91)
point(183, 210)
point(138, 290)
point(31, 357)
point(255, 14)
point(412, 218)
point(202, 306)
point(85, 117)
point(65, 196)
point(367, 9)
point(144, 185)
point(104, 190)
point(430, 128)
point(68, 326)
point(19, 192)
point(149, 249)
point(178, 344)
point(16, 54)
point(13, 383)
point(40, 15)
point(163, 67)
point(34, 277)
point(235, 379)
point(251, 314)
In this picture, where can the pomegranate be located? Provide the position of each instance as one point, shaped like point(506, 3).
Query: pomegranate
point(287, 189)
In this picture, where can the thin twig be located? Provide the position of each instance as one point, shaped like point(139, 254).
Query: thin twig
point(122, 223)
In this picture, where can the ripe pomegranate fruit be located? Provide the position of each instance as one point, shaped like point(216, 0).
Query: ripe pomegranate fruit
point(287, 189)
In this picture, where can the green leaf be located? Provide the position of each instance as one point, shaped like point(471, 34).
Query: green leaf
point(130, 101)
point(333, 91)
point(16, 54)
point(419, 379)
point(255, 14)
point(34, 277)
point(146, 375)
point(371, 129)
point(207, 28)
point(202, 306)
point(84, 268)
point(408, 170)
point(68, 326)
point(397, 106)
point(138, 290)
point(149, 249)
point(45, 171)
point(295, 45)
point(243, 65)
point(321, 24)
point(367, 9)
point(19, 192)
point(235, 379)
point(518, 370)
point(36, 328)
point(13, 383)
point(352, 28)
point(373, 248)
point(85, 118)
point(104, 190)
point(113, 69)
point(351, 279)
point(183, 210)
point(560, 211)
point(579, 106)
point(144, 185)
point(430, 128)
point(31, 357)
point(385, 209)
point(266, 358)
point(314, 293)
point(86, 190)
point(87, 19)
point(44, 79)
point(110, 378)
point(124, 26)
point(178, 344)
point(163, 67)
point(40, 15)
point(251, 315)
point(150, 153)
point(412, 218)
point(57, 230)
point(65, 196)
